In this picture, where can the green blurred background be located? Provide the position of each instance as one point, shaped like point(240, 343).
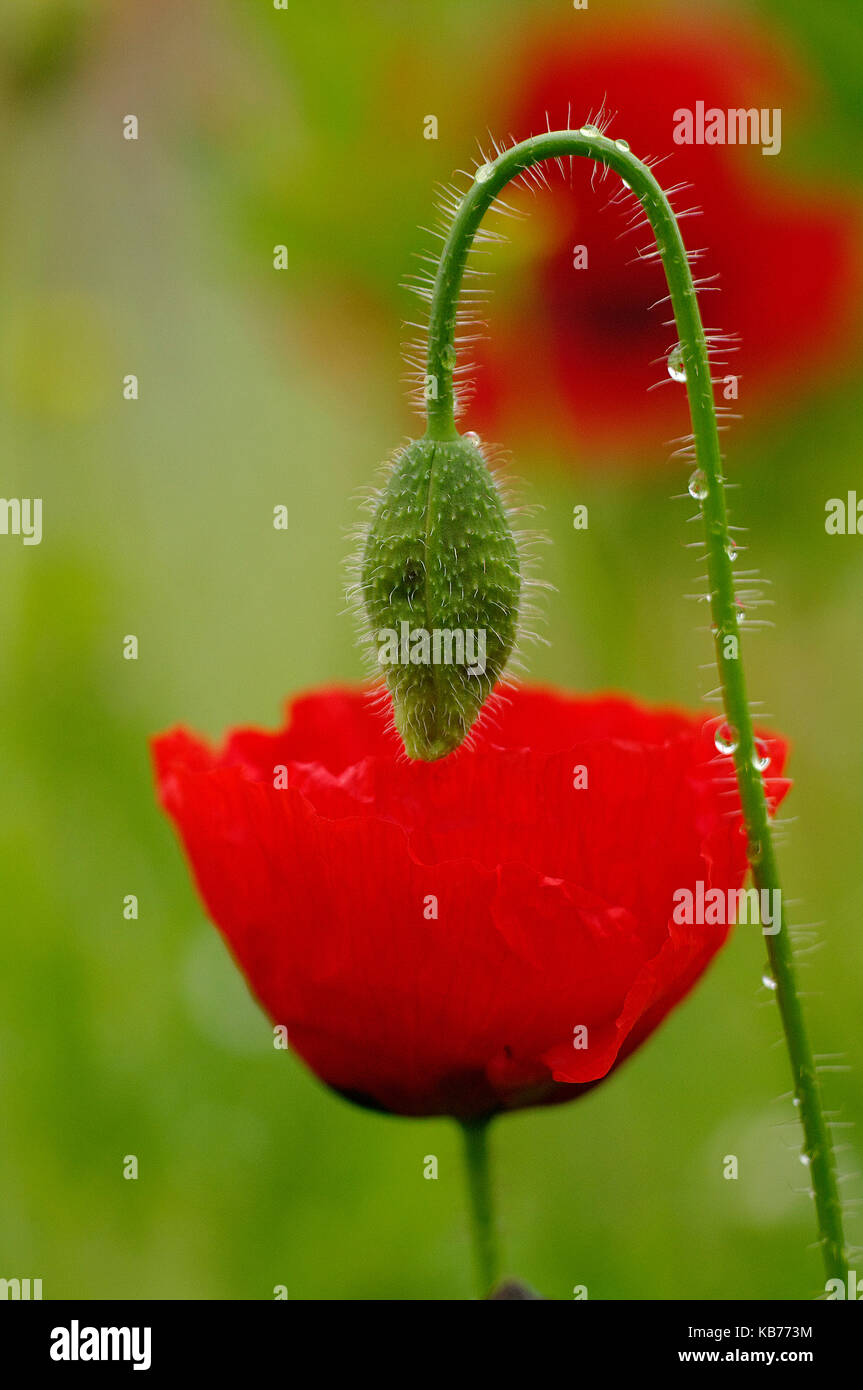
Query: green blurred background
point(258, 388)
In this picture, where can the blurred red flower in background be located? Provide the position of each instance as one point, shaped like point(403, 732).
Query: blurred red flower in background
point(552, 904)
point(581, 347)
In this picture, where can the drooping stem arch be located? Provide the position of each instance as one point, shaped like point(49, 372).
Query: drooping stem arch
point(740, 741)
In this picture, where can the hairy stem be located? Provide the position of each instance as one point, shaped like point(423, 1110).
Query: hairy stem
point(489, 182)
point(482, 1213)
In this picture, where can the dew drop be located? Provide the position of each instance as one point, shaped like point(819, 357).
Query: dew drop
point(676, 367)
point(590, 130)
point(768, 981)
point(621, 145)
point(753, 852)
point(484, 173)
point(473, 437)
point(761, 758)
point(725, 739)
point(805, 1160)
point(448, 356)
point(796, 1102)
point(739, 610)
point(731, 550)
point(698, 485)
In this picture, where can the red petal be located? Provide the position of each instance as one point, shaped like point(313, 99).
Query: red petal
point(553, 903)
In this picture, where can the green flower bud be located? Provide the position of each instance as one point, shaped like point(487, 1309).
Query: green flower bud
point(441, 586)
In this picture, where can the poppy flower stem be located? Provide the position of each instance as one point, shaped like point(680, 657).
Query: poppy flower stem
point(476, 1154)
point(690, 362)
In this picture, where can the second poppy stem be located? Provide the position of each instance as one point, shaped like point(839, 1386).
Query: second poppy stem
point(482, 1209)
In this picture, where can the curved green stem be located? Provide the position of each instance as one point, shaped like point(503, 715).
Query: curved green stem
point(699, 387)
point(482, 1213)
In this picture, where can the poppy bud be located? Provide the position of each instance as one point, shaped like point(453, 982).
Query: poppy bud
point(441, 583)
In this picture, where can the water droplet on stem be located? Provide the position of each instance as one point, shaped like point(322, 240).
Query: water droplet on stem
point(676, 365)
point(698, 485)
point(761, 758)
point(725, 739)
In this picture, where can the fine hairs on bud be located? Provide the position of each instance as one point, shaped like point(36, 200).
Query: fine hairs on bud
point(440, 585)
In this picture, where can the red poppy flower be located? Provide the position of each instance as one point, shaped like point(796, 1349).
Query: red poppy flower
point(786, 253)
point(434, 935)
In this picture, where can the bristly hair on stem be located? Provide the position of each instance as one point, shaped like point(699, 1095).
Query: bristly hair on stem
point(690, 363)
